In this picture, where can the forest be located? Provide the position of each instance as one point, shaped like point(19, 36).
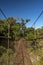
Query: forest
point(13, 29)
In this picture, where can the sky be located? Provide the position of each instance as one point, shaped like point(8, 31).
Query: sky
point(26, 9)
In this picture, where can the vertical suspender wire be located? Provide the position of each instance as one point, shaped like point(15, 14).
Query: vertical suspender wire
point(8, 43)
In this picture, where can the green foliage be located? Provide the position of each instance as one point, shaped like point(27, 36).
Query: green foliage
point(9, 55)
point(2, 50)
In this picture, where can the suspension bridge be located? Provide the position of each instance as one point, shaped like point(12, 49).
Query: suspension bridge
point(22, 57)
